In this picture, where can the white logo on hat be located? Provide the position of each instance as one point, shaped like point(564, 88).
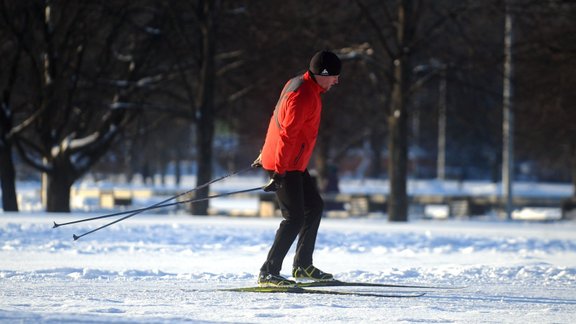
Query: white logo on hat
point(325, 72)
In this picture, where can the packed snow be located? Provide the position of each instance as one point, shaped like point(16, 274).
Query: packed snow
point(169, 269)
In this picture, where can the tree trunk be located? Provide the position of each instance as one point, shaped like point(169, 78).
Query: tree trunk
point(205, 135)
point(205, 126)
point(398, 121)
point(573, 158)
point(7, 171)
point(376, 144)
point(58, 192)
point(8, 179)
point(397, 169)
point(178, 167)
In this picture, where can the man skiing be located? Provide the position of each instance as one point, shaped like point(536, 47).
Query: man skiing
point(289, 144)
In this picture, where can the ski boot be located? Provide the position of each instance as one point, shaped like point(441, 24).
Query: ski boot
point(311, 273)
point(271, 280)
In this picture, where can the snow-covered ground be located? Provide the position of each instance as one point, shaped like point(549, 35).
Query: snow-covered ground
point(166, 269)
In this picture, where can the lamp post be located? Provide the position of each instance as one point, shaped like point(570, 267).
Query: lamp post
point(441, 160)
point(508, 117)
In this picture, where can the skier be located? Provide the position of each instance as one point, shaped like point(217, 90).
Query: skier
point(289, 143)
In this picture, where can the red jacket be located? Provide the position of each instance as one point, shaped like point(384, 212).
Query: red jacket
point(293, 128)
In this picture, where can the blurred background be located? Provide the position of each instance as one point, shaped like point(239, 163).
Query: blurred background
point(157, 94)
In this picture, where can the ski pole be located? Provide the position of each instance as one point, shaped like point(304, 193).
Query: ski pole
point(140, 210)
point(76, 237)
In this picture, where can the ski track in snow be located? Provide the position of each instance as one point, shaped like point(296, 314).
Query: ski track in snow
point(167, 269)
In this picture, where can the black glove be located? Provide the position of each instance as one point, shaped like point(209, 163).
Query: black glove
point(276, 182)
point(258, 162)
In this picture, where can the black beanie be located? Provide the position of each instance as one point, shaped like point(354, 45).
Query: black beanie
point(325, 63)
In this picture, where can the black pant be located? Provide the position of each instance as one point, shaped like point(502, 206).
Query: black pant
point(301, 207)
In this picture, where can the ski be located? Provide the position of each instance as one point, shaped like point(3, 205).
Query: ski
point(338, 283)
point(300, 290)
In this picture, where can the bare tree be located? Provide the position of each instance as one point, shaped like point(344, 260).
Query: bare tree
point(7, 171)
point(80, 63)
point(192, 38)
point(12, 53)
point(545, 74)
